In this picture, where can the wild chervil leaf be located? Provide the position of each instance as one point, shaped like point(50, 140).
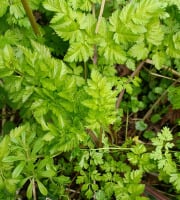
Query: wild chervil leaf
point(159, 58)
point(4, 6)
point(55, 6)
point(175, 179)
point(79, 51)
point(139, 51)
point(155, 33)
point(60, 89)
point(174, 96)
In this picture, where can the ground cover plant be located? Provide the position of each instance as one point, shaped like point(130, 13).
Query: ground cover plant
point(90, 99)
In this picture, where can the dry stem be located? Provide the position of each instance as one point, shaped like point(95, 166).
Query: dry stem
point(132, 76)
point(100, 16)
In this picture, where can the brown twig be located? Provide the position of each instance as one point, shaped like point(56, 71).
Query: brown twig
point(165, 67)
point(100, 138)
point(30, 16)
point(100, 16)
point(85, 71)
point(95, 56)
point(155, 193)
point(146, 116)
point(159, 75)
point(132, 76)
point(93, 137)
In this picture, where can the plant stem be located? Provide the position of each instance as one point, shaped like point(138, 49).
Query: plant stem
point(93, 137)
point(154, 105)
point(85, 71)
point(100, 137)
point(3, 120)
point(127, 121)
point(165, 67)
point(30, 16)
point(34, 189)
point(132, 76)
point(158, 101)
point(110, 148)
point(155, 193)
point(159, 75)
point(100, 16)
point(95, 56)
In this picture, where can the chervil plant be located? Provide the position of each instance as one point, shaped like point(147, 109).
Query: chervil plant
point(65, 104)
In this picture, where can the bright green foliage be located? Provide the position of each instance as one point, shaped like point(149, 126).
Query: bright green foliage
point(163, 157)
point(64, 87)
point(111, 183)
point(174, 97)
point(141, 126)
point(4, 6)
point(101, 100)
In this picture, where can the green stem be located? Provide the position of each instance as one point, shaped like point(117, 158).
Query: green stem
point(30, 16)
point(121, 94)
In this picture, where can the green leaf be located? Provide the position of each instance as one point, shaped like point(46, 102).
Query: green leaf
point(131, 64)
point(55, 6)
point(47, 174)
point(159, 58)
point(97, 158)
point(42, 188)
point(5, 72)
point(62, 179)
point(28, 91)
point(101, 195)
point(1, 183)
point(155, 118)
point(29, 190)
point(140, 126)
point(4, 6)
point(85, 187)
point(136, 190)
point(175, 180)
point(165, 134)
point(37, 146)
point(139, 51)
point(174, 97)
point(103, 100)
point(79, 51)
point(155, 34)
point(11, 185)
point(48, 137)
point(148, 134)
point(89, 193)
point(8, 53)
point(17, 171)
point(15, 133)
point(139, 149)
point(4, 147)
point(87, 23)
point(176, 40)
point(9, 159)
point(112, 53)
point(17, 10)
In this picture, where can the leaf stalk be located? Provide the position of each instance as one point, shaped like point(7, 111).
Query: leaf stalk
point(31, 17)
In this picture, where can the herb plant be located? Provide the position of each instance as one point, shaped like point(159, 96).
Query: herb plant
point(66, 122)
